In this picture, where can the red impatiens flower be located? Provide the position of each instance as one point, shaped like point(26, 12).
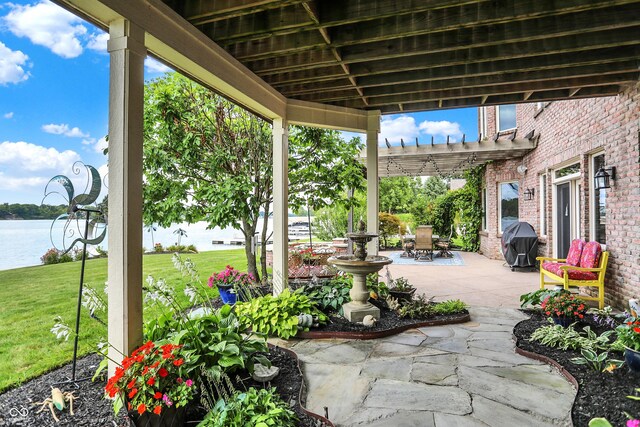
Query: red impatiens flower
point(158, 395)
point(142, 408)
point(178, 362)
point(131, 384)
point(151, 381)
point(157, 410)
point(132, 393)
point(636, 330)
point(163, 372)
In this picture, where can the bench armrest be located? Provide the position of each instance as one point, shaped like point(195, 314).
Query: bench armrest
point(544, 258)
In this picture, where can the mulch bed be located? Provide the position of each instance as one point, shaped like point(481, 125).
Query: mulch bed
point(599, 394)
point(92, 410)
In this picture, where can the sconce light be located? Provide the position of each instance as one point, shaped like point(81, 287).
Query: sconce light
point(603, 176)
point(529, 193)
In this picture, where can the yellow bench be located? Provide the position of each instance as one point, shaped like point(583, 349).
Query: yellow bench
point(555, 271)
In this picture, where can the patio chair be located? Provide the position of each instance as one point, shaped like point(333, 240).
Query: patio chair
point(444, 245)
point(585, 266)
point(407, 244)
point(423, 247)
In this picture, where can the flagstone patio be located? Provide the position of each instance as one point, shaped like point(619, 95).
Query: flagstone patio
point(453, 376)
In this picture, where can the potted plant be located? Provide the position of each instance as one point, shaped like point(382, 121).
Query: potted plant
point(402, 289)
point(152, 384)
point(231, 283)
point(564, 307)
point(629, 336)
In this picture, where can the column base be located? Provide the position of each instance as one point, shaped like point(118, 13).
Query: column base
point(356, 312)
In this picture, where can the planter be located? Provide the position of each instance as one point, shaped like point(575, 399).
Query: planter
point(563, 321)
point(632, 359)
point(402, 295)
point(170, 417)
point(227, 294)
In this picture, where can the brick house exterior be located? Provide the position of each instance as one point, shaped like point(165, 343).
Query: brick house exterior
point(574, 133)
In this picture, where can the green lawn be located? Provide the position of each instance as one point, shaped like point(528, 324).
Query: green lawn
point(33, 296)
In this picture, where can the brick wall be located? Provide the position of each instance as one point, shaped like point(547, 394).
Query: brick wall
point(570, 131)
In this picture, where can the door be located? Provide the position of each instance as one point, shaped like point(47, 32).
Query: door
point(563, 213)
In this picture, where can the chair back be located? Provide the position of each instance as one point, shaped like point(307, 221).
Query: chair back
point(424, 239)
point(604, 259)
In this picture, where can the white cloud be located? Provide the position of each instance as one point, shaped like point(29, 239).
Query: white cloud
point(24, 156)
point(64, 129)
point(11, 65)
point(154, 66)
point(98, 42)
point(14, 183)
point(47, 24)
point(101, 145)
point(400, 127)
point(442, 129)
point(88, 141)
point(8, 115)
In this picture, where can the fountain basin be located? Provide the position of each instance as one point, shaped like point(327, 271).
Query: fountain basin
point(351, 264)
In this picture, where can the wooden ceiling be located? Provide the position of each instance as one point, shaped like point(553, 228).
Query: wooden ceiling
point(415, 55)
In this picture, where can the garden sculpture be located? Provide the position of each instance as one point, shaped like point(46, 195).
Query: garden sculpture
point(57, 399)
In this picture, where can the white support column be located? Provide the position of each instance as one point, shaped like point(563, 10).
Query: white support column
point(373, 224)
point(280, 204)
point(126, 105)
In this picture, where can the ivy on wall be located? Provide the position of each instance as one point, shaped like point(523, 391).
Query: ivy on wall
point(469, 204)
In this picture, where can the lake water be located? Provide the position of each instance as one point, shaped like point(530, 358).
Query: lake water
point(22, 243)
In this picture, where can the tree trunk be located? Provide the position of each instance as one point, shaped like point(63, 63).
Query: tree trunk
point(263, 244)
point(248, 229)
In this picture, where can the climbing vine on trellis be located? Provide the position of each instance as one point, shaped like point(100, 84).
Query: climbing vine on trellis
point(469, 204)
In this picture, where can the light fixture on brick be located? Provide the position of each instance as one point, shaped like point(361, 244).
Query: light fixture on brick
point(604, 176)
point(529, 193)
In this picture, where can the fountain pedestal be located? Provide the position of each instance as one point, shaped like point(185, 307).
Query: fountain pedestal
point(359, 265)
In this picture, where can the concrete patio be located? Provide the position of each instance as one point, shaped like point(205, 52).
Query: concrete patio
point(465, 375)
point(480, 281)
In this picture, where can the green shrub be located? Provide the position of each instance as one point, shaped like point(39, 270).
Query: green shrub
point(419, 308)
point(259, 408)
point(54, 256)
point(450, 307)
point(568, 338)
point(330, 296)
point(277, 315)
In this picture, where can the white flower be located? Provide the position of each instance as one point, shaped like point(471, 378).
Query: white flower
point(60, 329)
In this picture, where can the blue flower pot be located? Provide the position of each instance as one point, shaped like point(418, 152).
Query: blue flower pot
point(632, 359)
point(227, 294)
point(563, 321)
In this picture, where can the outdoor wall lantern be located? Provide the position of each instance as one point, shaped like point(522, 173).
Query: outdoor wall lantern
point(529, 193)
point(603, 176)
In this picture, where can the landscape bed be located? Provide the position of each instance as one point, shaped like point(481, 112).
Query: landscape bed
point(599, 394)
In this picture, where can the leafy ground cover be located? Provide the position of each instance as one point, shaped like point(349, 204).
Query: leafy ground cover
point(600, 394)
point(33, 296)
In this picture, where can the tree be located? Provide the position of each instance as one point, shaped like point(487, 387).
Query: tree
point(206, 159)
point(434, 187)
point(398, 194)
point(390, 225)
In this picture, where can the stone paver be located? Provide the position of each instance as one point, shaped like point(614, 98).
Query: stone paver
point(465, 375)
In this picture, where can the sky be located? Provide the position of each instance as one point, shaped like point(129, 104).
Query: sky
point(54, 84)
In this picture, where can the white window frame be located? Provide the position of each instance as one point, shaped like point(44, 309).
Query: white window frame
point(574, 180)
point(592, 194)
point(499, 202)
point(498, 118)
point(543, 204)
point(483, 121)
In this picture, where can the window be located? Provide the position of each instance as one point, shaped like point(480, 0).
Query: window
point(543, 205)
point(598, 206)
point(568, 170)
point(506, 117)
point(484, 209)
point(508, 195)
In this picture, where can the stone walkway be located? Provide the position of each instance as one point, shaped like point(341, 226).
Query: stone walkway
point(454, 376)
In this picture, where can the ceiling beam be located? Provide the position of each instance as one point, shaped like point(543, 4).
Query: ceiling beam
point(200, 12)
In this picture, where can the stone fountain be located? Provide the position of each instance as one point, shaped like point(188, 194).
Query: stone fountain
point(360, 265)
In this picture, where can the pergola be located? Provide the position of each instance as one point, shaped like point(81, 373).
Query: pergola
point(340, 64)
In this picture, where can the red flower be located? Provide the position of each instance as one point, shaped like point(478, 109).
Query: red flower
point(157, 410)
point(132, 393)
point(131, 384)
point(178, 362)
point(145, 370)
point(636, 330)
point(151, 381)
point(141, 408)
point(158, 395)
point(163, 372)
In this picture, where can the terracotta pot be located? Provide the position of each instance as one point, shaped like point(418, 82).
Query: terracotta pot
point(169, 417)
